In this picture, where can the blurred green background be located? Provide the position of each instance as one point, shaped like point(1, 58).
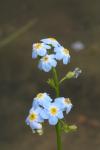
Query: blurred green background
point(23, 22)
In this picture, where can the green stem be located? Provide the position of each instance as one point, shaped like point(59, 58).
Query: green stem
point(58, 127)
point(58, 134)
point(56, 82)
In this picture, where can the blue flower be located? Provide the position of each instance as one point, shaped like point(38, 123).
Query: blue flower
point(52, 112)
point(65, 104)
point(34, 119)
point(47, 62)
point(51, 41)
point(39, 49)
point(41, 99)
point(62, 54)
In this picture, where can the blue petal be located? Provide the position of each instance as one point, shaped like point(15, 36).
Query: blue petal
point(68, 109)
point(44, 114)
point(34, 54)
point(35, 125)
point(45, 41)
point(59, 99)
point(55, 44)
point(40, 65)
point(46, 103)
point(58, 56)
point(35, 104)
point(42, 52)
point(46, 67)
point(48, 97)
point(53, 63)
point(49, 41)
point(59, 105)
point(38, 109)
point(53, 120)
point(59, 102)
point(27, 121)
point(60, 115)
point(66, 59)
point(52, 56)
point(58, 49)
point(31, 110)
point(47, 46)
point(40, 119)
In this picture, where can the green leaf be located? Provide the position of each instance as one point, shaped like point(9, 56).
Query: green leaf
point(51, 83)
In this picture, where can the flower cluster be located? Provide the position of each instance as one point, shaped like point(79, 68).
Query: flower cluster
point(49, 51)
point(45, 108)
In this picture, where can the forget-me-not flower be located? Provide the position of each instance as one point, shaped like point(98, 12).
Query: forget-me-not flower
point(34, 119)
point(52, 112)
point(39, 49)
point(47, 62)
point(62, 54)
point(41, 99)
point(65, 103)
point(51, 41)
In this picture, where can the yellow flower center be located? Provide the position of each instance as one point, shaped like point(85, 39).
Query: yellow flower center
point(32, 117)
point(65, 51)
point(40, 95)
point(52, 39)
point(45, 58)
point(53, 111)
point(37, 45)
point(67, 101)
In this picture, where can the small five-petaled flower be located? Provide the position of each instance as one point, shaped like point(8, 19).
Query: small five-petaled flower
point(45, 108)
point(48, 53)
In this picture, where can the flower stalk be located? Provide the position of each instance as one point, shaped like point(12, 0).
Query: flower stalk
point(58, 127)
point(48, 52)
